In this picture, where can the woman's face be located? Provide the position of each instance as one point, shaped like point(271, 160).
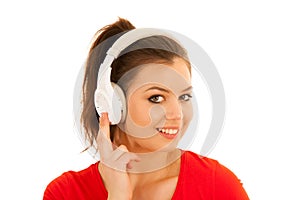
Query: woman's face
point(159, 108)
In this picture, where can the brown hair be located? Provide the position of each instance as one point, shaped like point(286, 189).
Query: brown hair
point(163, 50)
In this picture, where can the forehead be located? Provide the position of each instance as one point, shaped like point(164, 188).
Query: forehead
point(174, 76)
point(181, 67)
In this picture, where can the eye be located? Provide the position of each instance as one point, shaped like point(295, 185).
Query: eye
point(185, 97)
point(156, 99)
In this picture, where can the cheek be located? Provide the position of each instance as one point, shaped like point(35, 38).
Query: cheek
point(139, 111)
point(187, 111)
point(142, 118)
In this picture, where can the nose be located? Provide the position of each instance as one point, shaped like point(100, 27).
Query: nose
point(173, 109)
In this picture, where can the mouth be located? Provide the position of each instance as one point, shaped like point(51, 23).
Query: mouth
point(168, 132)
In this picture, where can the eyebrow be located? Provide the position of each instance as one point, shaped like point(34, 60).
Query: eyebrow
point(157, 88)
point(164, 90)
point(187, 89)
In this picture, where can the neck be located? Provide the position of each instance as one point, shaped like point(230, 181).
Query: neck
point(154, 168)
point(154, 161)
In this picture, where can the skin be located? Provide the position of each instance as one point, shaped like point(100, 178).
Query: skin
point(140, 157)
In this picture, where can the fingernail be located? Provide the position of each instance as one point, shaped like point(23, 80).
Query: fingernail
point(129, 166)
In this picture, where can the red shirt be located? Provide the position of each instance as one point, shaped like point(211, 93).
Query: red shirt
point(200, 178)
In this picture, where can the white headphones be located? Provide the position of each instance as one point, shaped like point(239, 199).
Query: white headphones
point(109, 97)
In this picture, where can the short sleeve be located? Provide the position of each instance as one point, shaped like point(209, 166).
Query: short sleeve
point(56, 190)
point(227, 185)
point(81, 185)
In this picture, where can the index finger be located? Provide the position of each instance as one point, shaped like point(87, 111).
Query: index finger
point(104, 124)
point(104, 143)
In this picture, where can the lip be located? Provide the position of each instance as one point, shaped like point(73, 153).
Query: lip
point(168, 132)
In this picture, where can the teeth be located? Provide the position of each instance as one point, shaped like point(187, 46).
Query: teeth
point(168, 131)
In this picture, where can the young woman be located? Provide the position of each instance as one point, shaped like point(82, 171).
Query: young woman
point(138, 156)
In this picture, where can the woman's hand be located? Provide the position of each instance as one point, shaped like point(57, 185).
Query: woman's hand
point(114, 162)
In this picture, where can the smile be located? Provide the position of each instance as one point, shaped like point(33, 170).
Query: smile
point(169, 133)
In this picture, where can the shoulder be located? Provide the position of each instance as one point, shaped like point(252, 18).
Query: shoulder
point(75, 184)
point(202, 164)
point(211, 177)
point(196, 162)
point(198, 169)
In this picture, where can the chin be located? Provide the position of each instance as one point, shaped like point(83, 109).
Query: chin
point(169, 147)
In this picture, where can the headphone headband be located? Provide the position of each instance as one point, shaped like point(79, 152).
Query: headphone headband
point(123, 42)
point(132, 36)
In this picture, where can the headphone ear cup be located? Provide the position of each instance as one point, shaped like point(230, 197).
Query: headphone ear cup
point(119, 107)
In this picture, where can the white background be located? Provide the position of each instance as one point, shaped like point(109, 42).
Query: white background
point(255, 46)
